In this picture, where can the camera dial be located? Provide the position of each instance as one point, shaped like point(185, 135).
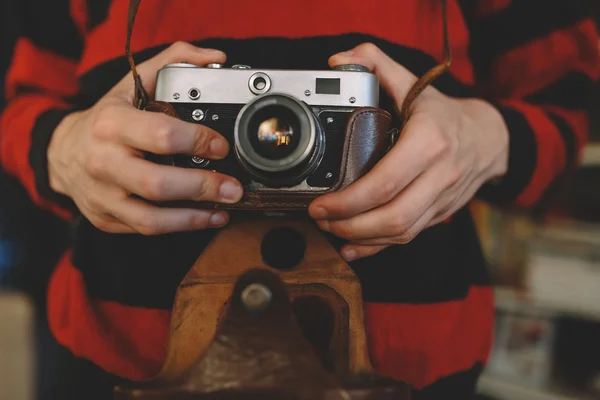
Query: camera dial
point(351, 68)
point(278, 139)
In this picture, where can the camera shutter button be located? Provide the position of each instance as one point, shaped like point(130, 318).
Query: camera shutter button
point(214, 65)
point(241, 66)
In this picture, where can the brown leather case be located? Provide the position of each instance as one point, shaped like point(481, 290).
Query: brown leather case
point(305, 340)
point(206, 288)
point(367, 139)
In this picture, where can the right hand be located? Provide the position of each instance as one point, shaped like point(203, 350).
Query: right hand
point(96, 158)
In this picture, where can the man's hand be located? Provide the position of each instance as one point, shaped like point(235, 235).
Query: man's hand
point(447, 150)
point(96, 158)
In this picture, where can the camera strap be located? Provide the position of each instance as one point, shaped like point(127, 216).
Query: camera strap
point(141, 97)
point(142, 100)
point(424, 81)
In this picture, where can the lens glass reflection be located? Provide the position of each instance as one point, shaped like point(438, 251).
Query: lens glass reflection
point(274, 132)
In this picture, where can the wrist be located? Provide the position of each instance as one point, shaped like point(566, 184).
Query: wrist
point(57, 163)
point(492, 136)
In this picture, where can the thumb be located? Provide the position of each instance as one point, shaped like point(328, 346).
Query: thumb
point(395, 79)
point(176, 53)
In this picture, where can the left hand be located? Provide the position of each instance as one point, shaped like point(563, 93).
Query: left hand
point(448, 148)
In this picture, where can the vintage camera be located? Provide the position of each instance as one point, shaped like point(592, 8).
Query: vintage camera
point(293, 134)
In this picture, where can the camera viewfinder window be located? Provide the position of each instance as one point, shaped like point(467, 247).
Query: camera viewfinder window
point(328, 86)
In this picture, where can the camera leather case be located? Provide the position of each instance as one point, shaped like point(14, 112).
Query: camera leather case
point(366, 142)
point(367, 133)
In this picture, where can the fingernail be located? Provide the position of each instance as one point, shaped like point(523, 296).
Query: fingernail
point(219, 147)
point(230, 191)
point(349, 254)
point(218, 219)
point(347, 53)
point(319, 213)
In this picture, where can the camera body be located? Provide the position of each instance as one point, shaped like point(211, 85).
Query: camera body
point(293, 134)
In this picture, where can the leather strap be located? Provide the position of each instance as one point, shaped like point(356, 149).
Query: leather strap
point(431, 75)
point(141, 97)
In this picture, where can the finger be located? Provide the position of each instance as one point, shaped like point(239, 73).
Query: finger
point(160, 134)
point(396, 218)
point(406, 237)
point(93, 201)
point(466, 194)
point(151, 220)
point(176, 53)
point(110, 225)
point(395, 79)
point(418, 149)
point(354, 252)
point(164, 182)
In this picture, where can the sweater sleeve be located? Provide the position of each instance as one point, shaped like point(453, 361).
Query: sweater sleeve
point(536, 61)
point(41, 87)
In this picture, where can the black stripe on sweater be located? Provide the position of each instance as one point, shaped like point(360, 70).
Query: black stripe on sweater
point(439, 265)
point(38, 157)
point(568, 137)
point(281, 53)
point(97, 12)
point(461, 385)
point(572, 91)
point(521, 22)
point(46, 23)
point(522, 160)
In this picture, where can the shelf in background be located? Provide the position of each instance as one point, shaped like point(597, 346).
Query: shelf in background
point(506, 390)
point(509, 299)
point(591, 155)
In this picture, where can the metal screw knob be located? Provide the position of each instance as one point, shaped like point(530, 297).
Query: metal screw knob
point(198, 115)
point(256, 296)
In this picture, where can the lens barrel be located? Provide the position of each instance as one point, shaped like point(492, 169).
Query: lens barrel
point(278, 139)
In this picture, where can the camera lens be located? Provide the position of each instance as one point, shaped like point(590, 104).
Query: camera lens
point(278, 139)
point(274, 132)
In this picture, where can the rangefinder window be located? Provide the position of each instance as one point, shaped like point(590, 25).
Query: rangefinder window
point(328, 86)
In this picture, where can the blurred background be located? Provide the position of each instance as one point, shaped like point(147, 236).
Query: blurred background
point(31, 241)
point(546, 269)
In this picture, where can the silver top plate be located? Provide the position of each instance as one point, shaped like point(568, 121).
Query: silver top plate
point(234, 86)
